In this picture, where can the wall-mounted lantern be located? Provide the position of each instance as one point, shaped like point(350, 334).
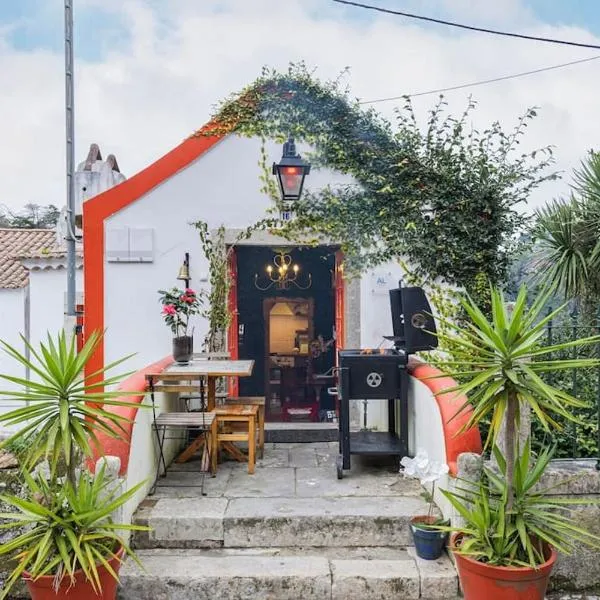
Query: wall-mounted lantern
point(290, 171)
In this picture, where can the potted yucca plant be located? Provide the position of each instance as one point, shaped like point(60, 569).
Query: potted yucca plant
point(511, 528)
point(67, 545)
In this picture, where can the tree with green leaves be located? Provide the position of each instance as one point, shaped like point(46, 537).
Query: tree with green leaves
point(568, 230)
point(440, 195)
point(31, 216)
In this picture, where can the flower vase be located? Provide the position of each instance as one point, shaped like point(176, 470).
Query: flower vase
point(183, 349)
point(429, 542)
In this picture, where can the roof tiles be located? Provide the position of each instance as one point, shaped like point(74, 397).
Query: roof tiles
point(16, 243)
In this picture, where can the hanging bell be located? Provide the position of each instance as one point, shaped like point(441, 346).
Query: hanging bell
point(184, 272)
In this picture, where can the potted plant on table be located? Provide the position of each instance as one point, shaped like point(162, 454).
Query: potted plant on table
point(178, 306)
point(429, 540)
point(512, 529)
point(66, 544)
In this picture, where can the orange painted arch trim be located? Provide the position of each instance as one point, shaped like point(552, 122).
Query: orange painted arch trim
point(448, 403)
point(97, 209)
point(121, 446)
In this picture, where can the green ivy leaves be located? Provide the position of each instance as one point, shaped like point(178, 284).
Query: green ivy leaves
point(443, 195)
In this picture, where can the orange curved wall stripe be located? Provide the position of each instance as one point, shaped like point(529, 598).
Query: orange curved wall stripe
point(121, 446)
point(448, 403)
point(98, 209)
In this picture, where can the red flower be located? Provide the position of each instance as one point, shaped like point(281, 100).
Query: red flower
point(169, 309)
point(190, 292)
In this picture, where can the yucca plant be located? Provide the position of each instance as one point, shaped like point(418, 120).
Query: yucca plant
point(500, 537)
point(501, 361)
point(67, 515)
point(66, 528)
point(63, 409)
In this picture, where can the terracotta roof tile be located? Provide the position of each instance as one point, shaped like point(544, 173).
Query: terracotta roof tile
point(19, 243)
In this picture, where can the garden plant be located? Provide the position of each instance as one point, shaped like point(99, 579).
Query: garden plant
point(512, 526)
point(66, 539)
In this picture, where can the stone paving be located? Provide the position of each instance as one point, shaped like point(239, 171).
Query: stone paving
point(293, 471)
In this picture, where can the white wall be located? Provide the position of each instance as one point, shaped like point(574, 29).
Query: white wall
point(222, 187)
point(144, 452)
point(48, 288)
point(46, 292)
point(426, 432)
point(12, 324)
point(376, 322)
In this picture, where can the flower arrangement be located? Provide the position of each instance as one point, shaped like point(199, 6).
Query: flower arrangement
point(427, 471)
point(177, 308)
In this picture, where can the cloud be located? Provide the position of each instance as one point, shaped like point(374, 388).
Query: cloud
point(165, 64)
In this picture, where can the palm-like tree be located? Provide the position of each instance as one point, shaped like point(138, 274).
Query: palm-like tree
point(502, 364)
point(569, 236)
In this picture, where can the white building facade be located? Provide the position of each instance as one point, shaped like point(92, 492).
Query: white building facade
point(137, 234)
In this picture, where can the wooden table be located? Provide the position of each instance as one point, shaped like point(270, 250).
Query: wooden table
point(198, 375)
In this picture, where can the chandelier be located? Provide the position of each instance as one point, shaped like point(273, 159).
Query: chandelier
point(283, 276)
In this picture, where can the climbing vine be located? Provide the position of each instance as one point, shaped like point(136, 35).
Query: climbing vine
point(216, 309)
point(442, 196)
point(217, 252)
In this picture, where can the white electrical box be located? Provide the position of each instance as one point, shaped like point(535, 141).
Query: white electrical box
point(141, 245)
point(124, 244)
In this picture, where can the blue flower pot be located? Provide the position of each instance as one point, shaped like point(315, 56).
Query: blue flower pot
point(429, 543)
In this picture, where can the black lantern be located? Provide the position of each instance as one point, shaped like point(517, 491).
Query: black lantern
point(291, 171)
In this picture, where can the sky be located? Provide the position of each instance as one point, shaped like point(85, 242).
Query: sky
point(149, 72)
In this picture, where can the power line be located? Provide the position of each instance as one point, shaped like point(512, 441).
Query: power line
point(468, 27)
point(482, 82)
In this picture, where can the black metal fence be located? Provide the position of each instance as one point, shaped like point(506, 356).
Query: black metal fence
point(576, 439)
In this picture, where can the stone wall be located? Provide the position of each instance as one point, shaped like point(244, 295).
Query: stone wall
point(10, 483)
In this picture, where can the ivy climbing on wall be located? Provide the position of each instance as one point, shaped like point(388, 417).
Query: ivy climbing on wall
point(440, 195)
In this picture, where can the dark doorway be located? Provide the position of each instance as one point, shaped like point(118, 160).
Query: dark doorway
point(287, 330)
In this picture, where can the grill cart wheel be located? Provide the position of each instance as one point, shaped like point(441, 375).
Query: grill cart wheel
point(339, 465)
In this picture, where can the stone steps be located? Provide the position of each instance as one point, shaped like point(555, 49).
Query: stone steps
point(202, 522)
point(290, 531)
point(288, 574)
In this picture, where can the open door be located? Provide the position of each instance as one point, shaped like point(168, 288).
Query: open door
point(289, 330)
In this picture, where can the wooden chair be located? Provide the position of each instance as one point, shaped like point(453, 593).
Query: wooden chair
point(252, 401)
point(227, 417)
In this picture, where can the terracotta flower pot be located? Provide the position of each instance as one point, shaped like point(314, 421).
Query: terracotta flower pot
point(479, 581)
point(81, 589)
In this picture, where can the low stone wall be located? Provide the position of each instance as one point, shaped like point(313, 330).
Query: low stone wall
point(577, 479)
point(10, 483)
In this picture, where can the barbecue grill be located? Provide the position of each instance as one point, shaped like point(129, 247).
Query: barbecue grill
point(382, 374)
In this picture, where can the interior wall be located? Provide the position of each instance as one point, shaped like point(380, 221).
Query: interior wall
point(282, 332)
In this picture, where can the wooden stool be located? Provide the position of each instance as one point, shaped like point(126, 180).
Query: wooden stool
point(253, 401)
point(233, 415)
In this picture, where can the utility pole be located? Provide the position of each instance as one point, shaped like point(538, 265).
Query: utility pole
point(70, 321)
